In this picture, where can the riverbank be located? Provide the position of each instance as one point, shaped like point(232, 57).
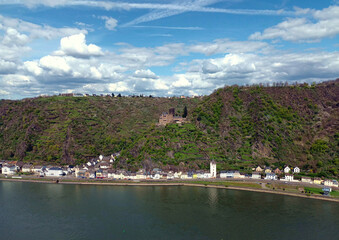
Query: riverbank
point(248, 186)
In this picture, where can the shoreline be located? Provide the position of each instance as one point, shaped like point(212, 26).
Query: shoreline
point(188, 184)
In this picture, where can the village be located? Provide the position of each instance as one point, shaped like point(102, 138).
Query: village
point(102, 168)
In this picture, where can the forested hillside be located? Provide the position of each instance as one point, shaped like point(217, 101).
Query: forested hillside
point(239, 127)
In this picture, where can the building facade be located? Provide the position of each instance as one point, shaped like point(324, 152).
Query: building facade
point(213, 169)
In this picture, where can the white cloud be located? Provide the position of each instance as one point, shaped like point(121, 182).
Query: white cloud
point(56, 64)
point(17, 80)
point(118, 87)
point(145, 74)
point(3, 92)
point(110, 23)
point(226, 45)
point(181, 81)
point(35, 31)
point(324, 24)
point(33, 67)
point(13, 37)
point(252, 68)
point(76, 46)
point(7, 66)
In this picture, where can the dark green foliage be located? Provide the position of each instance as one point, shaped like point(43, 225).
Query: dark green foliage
point(184, 115)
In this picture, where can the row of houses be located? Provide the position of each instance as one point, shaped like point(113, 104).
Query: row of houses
point(101, 168)
point(39, 170)
point(277, 171)
point(273, 176)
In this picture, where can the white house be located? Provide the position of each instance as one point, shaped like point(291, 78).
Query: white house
point(289, 177)
point(258, 169)
point(9, 169)
point(110, 173)
point(156, 176)
point(177, 175)
point(271, 176)
point(207, 175)
point(328, 182)
point(287, 169)
point(54, 172)
point(213, 169)
point(256, 175)
point(184, 175)
point(38, 169)
point(296, 170)
point(141, 175)
point(27, 168)
point(236, 174)
point(226, 174)
point(306, 180)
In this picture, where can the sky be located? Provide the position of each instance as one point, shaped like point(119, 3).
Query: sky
point(163, 48)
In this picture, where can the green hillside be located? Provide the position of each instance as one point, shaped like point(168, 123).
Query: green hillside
point(239, 127)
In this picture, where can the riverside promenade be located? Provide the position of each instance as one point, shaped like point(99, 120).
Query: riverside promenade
point(254, 186)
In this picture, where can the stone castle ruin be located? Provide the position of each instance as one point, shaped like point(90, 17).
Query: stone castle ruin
point(170, 117)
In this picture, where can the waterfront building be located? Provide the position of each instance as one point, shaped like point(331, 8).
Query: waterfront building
point(227, 174)
point(54, 172)
point(271, 176)
point(306, 180)
point(317, 181)
point(328, 182)
point(213, 169)
point(184, 175)
point(9, 169)
point(268, 170)
point(289, 177)
point(176, 175)
point(277, 171)
point(236, 174)
point(256, 175)
point(38, 169)
point(140, 175)
point(27, 168)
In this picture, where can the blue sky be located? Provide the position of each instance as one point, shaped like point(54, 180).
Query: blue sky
point(163, 48)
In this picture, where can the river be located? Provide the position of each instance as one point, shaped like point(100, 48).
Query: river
point(56, 211)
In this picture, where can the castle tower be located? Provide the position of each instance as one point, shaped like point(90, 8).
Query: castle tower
point(213, 169)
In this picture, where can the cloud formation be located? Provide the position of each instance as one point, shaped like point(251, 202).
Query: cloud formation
point(77, 65)
point(76, 46)
point(322, 24)
point(110, 23)
point(157, 10)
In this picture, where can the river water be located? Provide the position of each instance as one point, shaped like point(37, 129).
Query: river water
point(56, 211)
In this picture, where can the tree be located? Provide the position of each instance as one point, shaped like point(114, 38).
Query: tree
point(112, 94)
point(185, 112)
point(119, 95)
